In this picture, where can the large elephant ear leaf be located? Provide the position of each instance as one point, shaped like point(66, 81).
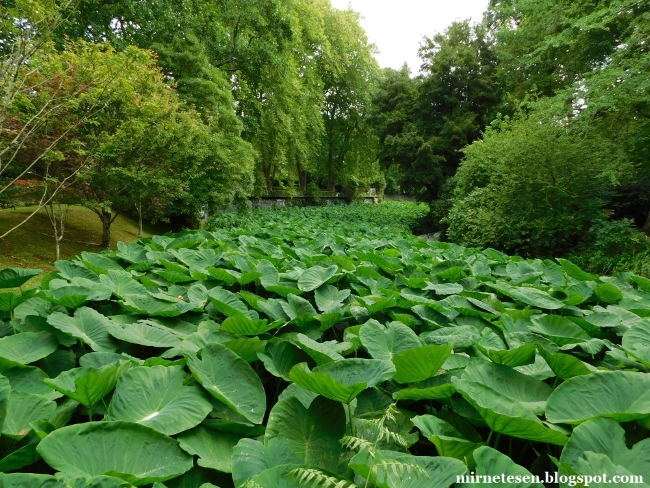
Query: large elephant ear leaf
point(250, 458)
point(449, 442)
point(213, 448)
point(312, 434)
point(87, 325)
point(24, 408)
point(315, 277)
point(419, 363)
point(384, 341)
point(158, 398)
point(27, 347)
point(16, 277)
point(230, 379)
point(5, 389)
point(621, 395)
point(490, 462)
point(132, 452)
point(96, 482)
point(508, 401)
point(89, 385)
point(344, 380)
point(26, 480)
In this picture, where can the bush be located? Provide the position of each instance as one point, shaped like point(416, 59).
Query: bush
point(615, 245)
point(532, 186)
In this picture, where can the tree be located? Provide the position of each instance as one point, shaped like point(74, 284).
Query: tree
point(347, 70)
point(534, 184)
point(393, 119)
point(593, 57)
point(39, 100)
point(152, 149)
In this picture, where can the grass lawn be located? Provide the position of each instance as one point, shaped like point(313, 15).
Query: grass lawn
point(32, 245)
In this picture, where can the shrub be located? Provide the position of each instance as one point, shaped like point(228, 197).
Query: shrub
point(533, 185)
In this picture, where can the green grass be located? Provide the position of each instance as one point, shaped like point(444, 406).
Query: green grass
point(32, 245)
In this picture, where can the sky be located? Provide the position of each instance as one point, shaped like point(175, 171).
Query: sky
point(396, 27)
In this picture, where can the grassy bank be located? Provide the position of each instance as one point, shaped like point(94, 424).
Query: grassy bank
point(32, 245)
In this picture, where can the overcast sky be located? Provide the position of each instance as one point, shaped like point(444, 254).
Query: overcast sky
point(396, 27)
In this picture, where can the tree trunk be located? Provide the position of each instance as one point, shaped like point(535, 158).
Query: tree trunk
point(331, 181)
point(302, 175)
point(106, 218)
point(138, 206)
point(646, 226)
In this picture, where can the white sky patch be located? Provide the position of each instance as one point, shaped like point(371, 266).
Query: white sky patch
point(396, 27)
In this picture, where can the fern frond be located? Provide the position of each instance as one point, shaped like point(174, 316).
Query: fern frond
point(390, 436)
point(400, 469)
point(315, 478)
point(352, 443)
point(251, 484)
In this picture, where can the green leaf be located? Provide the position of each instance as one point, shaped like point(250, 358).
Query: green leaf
point(444, 288)
point(448, 441)
point(10, 301)
point(599, 463)
point(574, 271)
point(529, 296)
point(330, 298)
point(24, 408)
point(390, 469)
point(246, 348)
point(144, 335)
point(99, 263)
point(312, 434)
point(122, 284)
point(491, 462)
point(5, 389)
point(382, 342)
point(621, 395)
point(439, 387)
point(158, 398)
point(461, 337)
point(27, 347)
point(213, 448)
point(243, 325)
point(250, 458)
point(606, 436)
point(296, 307)
point(231, 380)
point(342, 380)
point(636, 342)
point(87, 325)
point(508, 401)
point(559, 329)
point(89, 385)
point(30, 380)
point(96, 482)
point(16, 277)
point(608, 293)
point(129, 451)
point(148, 305)
point(564, 366)
point(279, 357)
point(24, 480)
point(518, 356)
point(315, 277)
point(226, 302)
point(419, 363)
point(322, 353)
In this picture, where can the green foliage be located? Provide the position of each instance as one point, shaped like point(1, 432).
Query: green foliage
point(315, 347)
point(532, 185)
point(615, 245)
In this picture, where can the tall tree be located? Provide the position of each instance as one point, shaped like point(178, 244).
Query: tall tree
point(347, 69)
